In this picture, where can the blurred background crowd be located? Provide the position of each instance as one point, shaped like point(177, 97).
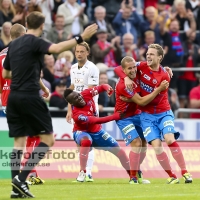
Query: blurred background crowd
point(125, 28)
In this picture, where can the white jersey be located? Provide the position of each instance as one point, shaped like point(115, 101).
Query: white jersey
point(84, 76)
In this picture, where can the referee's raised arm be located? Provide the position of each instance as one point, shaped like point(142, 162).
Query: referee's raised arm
point(66, 45)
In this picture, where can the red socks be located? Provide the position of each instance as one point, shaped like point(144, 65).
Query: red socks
point(84, 150)
point(164, 162)
point(178, 156)
point(134, 163)
point(124, 160)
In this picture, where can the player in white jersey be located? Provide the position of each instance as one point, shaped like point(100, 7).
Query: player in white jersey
point(84, 74)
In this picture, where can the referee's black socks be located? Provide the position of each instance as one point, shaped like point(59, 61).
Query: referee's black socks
point(34, 158)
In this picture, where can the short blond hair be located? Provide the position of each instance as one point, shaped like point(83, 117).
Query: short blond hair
point(159, 49)
point(126, 59)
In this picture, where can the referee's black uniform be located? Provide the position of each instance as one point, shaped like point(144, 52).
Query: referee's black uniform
point(27, 113)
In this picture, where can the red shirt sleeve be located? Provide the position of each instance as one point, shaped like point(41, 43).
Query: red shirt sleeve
point(88, 120)
point(126, 92)
point(119, 71)
point(91, 92)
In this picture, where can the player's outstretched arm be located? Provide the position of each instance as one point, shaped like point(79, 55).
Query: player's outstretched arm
point(143, 101)
point(67, 45)
point(101, 88)
point(101, 120)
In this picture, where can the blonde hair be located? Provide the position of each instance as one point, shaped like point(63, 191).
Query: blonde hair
point(176, 2)
point(159, 49)
point(65, 54)
point(11, 9)
point(126, 59)
point(147, 33)
point(5, 39)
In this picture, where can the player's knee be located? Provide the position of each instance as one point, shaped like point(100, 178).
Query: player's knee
point(169, 138)
point(86, 143)
point(138, 142)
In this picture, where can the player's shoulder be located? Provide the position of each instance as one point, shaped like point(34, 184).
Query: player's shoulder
point(91, 65)
point(141, 64)
point(74, 66)
point(120, 83)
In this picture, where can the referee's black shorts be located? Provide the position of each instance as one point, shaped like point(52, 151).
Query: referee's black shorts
point(27, 115)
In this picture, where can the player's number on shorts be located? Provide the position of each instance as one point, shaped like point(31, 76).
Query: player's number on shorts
point(79, 88)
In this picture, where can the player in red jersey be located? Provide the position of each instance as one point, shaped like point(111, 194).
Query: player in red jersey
point(4, 83)
point(32, 142)
point(88, 131)
point(130, 126)
point(157, 118)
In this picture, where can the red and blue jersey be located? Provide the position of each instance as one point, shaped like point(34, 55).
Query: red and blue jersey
point(4, 83)
point(81, 115)
point(150, 80)
point(129, 108)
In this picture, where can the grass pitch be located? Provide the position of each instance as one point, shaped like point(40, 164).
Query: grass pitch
point(108, 189)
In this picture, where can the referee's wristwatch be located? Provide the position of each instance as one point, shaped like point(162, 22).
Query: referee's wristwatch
point(79, 39)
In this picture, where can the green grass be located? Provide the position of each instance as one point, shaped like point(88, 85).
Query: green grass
point(108, 189)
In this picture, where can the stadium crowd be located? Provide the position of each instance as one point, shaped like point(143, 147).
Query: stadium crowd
point(126, 28)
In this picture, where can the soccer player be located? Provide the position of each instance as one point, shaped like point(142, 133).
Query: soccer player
point(157, 118)
point(27, 113)
point(130, 126)
point(84, 74)
point(87, 129)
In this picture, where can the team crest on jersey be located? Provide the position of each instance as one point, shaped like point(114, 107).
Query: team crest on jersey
point(82, 118)
point(154, 81)
point(130, 92)
point(83, 72)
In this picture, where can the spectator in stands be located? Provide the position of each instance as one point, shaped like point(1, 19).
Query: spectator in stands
point(194, 6)
point(149, 38)
point(103, 100)
point(23, 8)
point(127, 21)
point(62, 67)
point(164, 12)
point(111, 6)
point(173, 99)
point(195, 99)
point(151, 22)
point(47, 7)
point(57, 33)
point(57, 100)
point(188, 78)
point(105, 52)
point(100, 14)
point(5, 35)
point(102, 67)
point(174, 41)
point(48, 85)
point(48, 70)
point(181, 14)
point(7, 12)
point(129, 48)
point(57, 3)
point(74, 16)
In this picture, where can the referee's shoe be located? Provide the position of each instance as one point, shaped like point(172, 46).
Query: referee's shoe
point(22, 187)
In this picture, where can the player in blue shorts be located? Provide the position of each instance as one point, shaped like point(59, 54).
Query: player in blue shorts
point(130, 126)
point(157, 118)
point(88, 131)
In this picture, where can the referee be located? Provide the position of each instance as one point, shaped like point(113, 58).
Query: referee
point(27, 113)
